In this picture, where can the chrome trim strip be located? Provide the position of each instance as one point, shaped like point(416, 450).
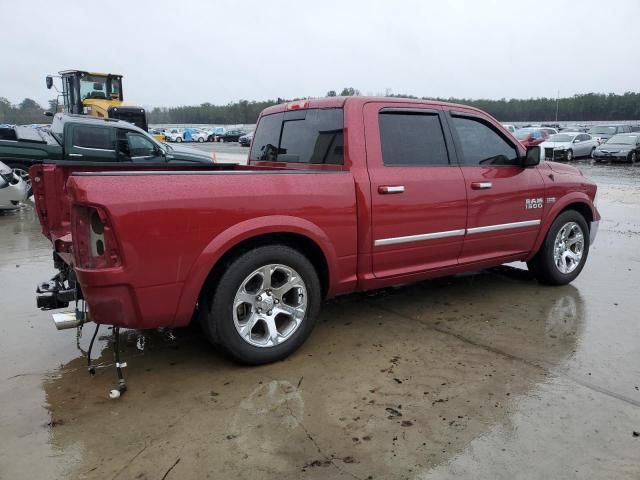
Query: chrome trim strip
point(502, 226)
point(453, 233)
point(418, 238)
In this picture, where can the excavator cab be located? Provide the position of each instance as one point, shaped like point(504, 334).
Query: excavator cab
point(97, 94)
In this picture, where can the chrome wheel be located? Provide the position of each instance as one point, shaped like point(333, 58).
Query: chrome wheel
point(270, 305)
point(568, 247)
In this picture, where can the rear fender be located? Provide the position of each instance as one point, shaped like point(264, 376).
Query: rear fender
point(231, 237)
point(560, 205)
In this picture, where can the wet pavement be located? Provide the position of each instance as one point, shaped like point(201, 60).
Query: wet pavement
point(486, 375)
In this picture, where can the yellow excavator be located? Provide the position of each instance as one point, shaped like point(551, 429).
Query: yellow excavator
point(99, 95)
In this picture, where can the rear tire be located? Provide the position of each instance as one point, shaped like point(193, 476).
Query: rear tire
point(564, 251)
point(200, 139)
point(255, 321)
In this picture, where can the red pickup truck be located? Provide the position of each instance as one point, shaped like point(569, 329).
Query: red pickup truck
point(340, 195)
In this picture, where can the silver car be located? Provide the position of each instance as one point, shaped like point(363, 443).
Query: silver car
point(13, 189)
point(567, 146)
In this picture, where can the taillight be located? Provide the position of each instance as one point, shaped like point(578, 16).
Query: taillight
point(94, 243)
point(298, 105)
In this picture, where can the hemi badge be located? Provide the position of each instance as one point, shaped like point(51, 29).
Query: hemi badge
point(551, 199)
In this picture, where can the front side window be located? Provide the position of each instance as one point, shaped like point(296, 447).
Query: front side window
point(140, 146)
point(312, 136)
point(92, 137)
point(482, 145)
point(412, 139)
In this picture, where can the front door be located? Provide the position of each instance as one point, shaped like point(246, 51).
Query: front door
point(505, 200)
point(418, 194)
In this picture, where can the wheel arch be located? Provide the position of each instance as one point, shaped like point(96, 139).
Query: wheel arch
point(578, 201)
point(297, 233)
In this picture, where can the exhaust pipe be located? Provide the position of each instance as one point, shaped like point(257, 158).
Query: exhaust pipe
point(66, 320)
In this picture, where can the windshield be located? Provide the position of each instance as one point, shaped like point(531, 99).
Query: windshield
point(561, 137)
point(623, 139)
point(100, 87)
point(603, 130)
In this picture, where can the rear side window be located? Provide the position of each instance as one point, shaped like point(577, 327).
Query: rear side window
point(92, 137)
point(482, 145)
point(412, 139)
point(300, 136)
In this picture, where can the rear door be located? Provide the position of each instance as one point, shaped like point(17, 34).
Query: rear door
point(505, 200)
point(90, 143)
point(418, 194)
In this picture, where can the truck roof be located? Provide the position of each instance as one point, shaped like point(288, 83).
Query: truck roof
point(60, 119)
point(339, 102)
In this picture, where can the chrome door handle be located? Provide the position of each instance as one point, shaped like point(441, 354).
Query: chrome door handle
point(481, 185)
point(388, 189)
point(76, 155)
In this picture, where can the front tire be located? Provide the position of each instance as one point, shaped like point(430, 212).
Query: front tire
point(569, 155)
point(264, 305)
point(178, 139)
point(200, 139)
point(564, 250)
point(633, 157)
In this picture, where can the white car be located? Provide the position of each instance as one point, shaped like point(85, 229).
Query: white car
point(511, 128)
point(567, 146)
point(13, 189)
point(174, 135)
point(199, 136)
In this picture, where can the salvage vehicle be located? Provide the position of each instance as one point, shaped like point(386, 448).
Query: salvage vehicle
point(231, 135)
point(340, 195)
point(531, 136)
point(245, 140)
point(81, 139)
point(625, 147)
point(214, 133)
point(13, 189)
point(568, 145)
point(602, 133)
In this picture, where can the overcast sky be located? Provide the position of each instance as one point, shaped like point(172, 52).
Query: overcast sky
point(187, 53)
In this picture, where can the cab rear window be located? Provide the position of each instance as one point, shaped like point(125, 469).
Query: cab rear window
point(300, 136)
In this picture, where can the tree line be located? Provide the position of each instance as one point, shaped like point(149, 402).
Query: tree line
point(583, 107)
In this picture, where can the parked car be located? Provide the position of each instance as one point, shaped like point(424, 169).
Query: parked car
point(198, 135)
point(175, 135)
point(81, 139)
point(549, 130)
point(635, 128)
point(574, 128)
point(13, 189)
point(509, 127)
point(339, 200)
point(623, 146)
point(568, 145)
point(602, 133)
point(231, 135)
point(245, 140)
point(531, 136)
point(158, 135)
point(215, 133)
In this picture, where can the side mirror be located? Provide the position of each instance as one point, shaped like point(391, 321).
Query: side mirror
point(49, 80)
point(575, 140)
point(533, 157)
